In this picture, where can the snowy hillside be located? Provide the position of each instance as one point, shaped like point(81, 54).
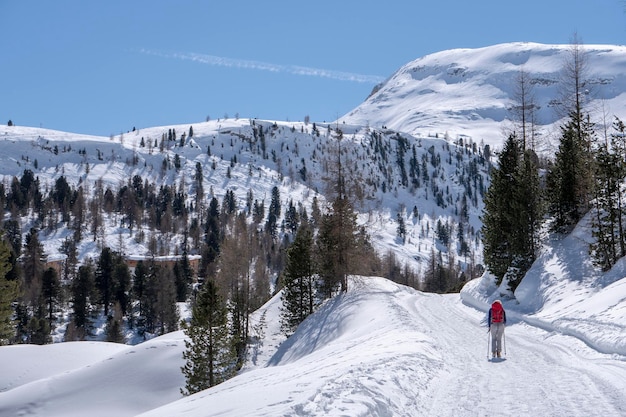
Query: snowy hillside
point(421, 180)
point(470, 91)
point(381, 349)
point(460, 96)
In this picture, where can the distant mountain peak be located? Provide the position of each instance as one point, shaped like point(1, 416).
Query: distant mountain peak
point(470, 91)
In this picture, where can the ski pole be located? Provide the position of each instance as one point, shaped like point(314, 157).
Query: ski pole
point(488, 343)
point(504, 339)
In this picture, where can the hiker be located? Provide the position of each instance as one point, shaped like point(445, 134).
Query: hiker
point(497, 321)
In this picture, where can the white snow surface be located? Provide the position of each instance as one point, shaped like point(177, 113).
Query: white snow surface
point(86, 161)
point(469, 92)
point(381, 349)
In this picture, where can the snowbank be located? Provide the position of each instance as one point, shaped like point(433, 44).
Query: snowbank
point(564, 292)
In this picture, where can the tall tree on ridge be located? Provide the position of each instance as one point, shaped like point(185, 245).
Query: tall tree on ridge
point(51, 290)
point(608, 221)
point(524, 110)
point(209, 355)
point(570, 182)
point(8, 295)
point(498, 218)
point(336, 240)
point(298, 297)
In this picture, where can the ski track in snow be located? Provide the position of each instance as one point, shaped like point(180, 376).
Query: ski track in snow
point(444, 369)
point(381, 349)
point(537, 376)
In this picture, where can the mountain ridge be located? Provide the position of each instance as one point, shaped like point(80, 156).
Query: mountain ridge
point(292, 156)
point(469, 91)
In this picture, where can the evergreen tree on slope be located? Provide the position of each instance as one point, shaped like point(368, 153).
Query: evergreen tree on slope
point(513, 214)
point(568, 181)
point(608, 219)
point(298, 295)
point(8, 294)
point(209, 355)
point(498, 213)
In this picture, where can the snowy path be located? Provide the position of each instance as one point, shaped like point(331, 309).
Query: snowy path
point(386, 350)
point(543, 374)
point(379, 350)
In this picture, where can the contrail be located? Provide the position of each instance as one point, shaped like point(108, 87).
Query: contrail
point(264, 66)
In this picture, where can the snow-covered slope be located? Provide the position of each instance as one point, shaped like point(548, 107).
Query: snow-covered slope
point(381, 349)
point(234, 156)
point(564, 292)
point(470, 91)
point(91, 378)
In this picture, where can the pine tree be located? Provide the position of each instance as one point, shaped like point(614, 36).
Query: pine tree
point(512, 215)
point(234, 277)
point(8, 295)
point(140, 279)
point(570, 182)
point(524, 110)
point(104, 278)
point(274, 212)
point(435, 275)
point(567, 183)
point(498, 214)
point(401, 229)
point(160, 304)
point(13, 235)
point(50, 289)
point(213, 236)
point(298, 297)
point(33, 261)
point(38, 328)
point(150, 293)
point(292, 218)
point(608, 226)
point(121, 283)
point(337, 237)
point(81, 290)
point(336, 242)
point(183, 277)
point(209, 355)
point(528, 214)
point(563, 181)
point(199, 187)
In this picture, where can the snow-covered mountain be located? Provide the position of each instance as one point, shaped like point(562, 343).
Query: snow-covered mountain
point(470, 91)
point(381, 349)
point(422, 180)
point(447, 105)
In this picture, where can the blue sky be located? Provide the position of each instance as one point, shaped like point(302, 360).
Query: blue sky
point(105, 67)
